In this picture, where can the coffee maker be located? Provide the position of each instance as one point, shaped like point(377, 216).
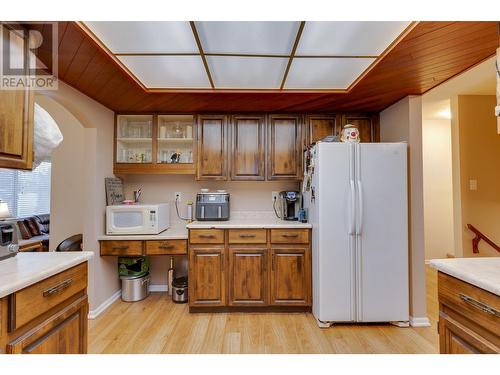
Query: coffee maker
point(290, 203)
point(8, 240)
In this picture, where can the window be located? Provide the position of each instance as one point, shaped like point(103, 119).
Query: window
point(27, 193)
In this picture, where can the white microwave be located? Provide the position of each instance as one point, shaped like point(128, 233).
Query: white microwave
point(137, 219)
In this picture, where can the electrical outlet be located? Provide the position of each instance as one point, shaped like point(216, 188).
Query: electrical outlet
point(274, 195)
point(178, 196)
point(473, 185)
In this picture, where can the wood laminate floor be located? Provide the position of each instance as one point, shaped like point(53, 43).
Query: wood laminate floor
point(156, 325)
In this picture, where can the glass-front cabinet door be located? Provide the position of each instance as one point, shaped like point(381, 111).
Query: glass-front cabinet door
point(154, 144)
point(134, 139)
point(175, 139)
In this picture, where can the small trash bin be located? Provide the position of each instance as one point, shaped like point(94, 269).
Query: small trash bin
point(133, 266)
point(180, 290)
point(135, 288)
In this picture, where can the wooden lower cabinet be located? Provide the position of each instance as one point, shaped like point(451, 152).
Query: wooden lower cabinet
point(456, 338)
point(133, 248)
point(290, 276)
point(242, 273)
point(248, 277)
point(469, 318)
point(63, 333)
point(48, 317)
point(207, 276)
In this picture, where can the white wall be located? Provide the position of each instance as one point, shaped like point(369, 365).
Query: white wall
point(403, 122)
point(438, 188)
point(97, 140)
point(479, 80)
point(66, 178)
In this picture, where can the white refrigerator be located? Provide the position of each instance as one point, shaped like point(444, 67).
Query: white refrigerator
point(358, 206)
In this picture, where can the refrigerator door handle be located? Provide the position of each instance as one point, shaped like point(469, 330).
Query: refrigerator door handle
point(359, 228)
point(353, 207)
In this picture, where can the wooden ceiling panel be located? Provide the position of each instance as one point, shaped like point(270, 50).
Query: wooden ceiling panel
point(431, 53)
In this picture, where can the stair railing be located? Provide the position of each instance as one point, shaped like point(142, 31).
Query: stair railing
point(479, 236)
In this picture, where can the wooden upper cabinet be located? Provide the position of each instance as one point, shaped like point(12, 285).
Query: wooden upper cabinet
point(247, 147)
point(212, 147)
point(284, 147)
point(154, 144)
point(367, 124)
point(319, 126)
point(16, 119)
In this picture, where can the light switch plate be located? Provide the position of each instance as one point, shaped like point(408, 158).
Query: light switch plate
point(473, 185)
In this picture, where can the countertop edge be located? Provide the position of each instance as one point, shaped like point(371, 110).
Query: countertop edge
point(451, 270)
point(249, 226)
point(84, 256)
point(148, 237)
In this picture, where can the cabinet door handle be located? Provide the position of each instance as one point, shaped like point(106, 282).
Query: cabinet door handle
point(479, 305)
point(122, 247)
point(207, 236)
point(58, 288)
point(247, 235)
point(166, 247)
point(290, 235)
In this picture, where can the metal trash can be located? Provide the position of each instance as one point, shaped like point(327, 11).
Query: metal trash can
point(180, 290)
point(135, 288)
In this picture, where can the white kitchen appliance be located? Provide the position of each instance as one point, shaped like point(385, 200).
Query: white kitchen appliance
point(358, 207)
point(137, 218)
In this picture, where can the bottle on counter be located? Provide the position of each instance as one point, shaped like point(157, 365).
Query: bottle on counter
point(170, 276)
point(189, 216)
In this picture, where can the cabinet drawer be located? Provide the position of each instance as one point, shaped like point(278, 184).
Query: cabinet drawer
point(121, 247)
point(290, 236)
point(166, 247)
point(31, 302)
point(243, 236)
point(478, 305)
point(206, 235)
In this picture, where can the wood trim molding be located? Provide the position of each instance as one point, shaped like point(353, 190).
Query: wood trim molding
point(202, 54)
point(292, 54)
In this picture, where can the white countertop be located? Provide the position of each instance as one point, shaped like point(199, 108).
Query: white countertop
point(175, 232)
point(481, 272)
point(249, 222)
point(26, 269)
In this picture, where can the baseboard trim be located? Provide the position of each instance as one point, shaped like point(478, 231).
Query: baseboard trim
point(103, 306)
point(422, 321)
point(158, 288)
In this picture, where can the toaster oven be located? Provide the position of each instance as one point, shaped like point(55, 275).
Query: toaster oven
point(212, 206)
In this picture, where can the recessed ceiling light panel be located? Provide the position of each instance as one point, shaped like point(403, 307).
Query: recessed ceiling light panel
point(348, 38)
point(265, 38)
point(235, 72)
point(145, 37)
point(325, 73)
point(168, 71)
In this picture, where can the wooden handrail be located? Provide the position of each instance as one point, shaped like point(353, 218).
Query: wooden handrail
point(479, 237)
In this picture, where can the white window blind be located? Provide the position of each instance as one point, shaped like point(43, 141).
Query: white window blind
point(26, 192)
